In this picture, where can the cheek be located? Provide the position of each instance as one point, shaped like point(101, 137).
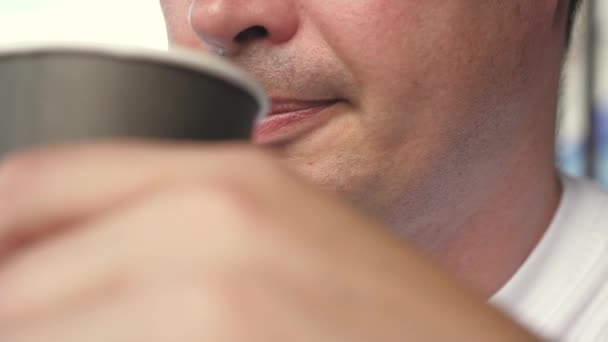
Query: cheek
point(365, 33)
point(432, 61)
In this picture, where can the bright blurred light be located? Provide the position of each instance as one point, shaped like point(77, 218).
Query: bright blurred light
point(129, 22)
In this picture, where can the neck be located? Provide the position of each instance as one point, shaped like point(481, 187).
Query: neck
point(507, 197)
point(514, 211)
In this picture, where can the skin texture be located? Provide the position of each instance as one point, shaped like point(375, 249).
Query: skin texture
point(443, 133)
point(446, 129)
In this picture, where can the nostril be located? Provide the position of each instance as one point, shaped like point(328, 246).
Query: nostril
point(250, 34)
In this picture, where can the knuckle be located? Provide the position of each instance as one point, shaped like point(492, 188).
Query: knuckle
point(199, 204)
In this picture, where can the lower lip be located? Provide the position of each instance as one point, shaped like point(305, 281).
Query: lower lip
point(287, 125)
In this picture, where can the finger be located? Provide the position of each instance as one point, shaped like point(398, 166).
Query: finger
point(56, 186)
point(169, 236)
point(156, 314)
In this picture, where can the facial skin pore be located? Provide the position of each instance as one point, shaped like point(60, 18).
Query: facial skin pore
point(443, 119)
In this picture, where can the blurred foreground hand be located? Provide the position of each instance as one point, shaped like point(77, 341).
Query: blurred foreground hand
point(133, 241)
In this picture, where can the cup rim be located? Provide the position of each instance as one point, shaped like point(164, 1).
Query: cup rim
point(177, 56)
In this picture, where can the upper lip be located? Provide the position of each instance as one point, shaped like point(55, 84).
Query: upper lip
point(283, 106)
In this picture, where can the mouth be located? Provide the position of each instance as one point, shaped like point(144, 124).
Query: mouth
point(289, 118)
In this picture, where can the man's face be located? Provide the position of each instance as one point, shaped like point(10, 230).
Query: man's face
point(414, 101)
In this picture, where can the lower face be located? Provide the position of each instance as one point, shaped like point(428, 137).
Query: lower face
point(416, 99)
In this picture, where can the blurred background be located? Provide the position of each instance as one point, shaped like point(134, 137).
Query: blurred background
point(130, 22)
point(582, 143)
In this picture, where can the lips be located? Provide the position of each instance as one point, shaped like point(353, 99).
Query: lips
point(280, 107)
point(288, 118)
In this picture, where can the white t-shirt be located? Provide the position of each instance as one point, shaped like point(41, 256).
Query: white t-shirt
point(561, 291)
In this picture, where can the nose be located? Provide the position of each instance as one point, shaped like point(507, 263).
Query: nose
point(229, 25)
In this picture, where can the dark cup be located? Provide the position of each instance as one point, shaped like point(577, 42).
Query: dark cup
point(65, 93)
